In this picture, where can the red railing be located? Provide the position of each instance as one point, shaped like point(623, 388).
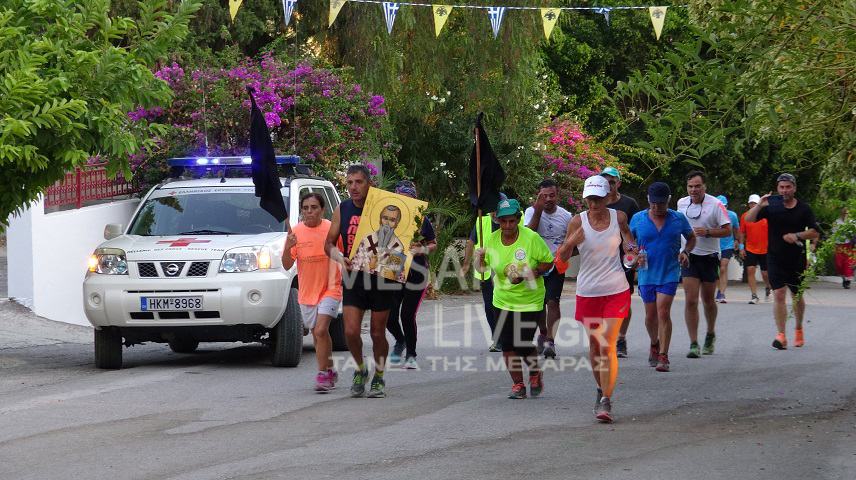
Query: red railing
point(86, 184)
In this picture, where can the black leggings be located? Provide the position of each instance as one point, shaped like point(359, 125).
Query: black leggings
point(407, 302)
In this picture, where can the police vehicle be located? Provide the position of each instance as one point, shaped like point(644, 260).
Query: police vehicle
point(200, 261)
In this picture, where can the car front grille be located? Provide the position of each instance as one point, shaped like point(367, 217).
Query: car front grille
point(147, 269)
point(198, 269)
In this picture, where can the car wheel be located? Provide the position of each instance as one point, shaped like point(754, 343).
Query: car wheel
point(288, 335)
point(183, 345)
point(337, 334)
point(108, 348)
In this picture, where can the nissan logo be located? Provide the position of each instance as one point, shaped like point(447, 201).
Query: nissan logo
point(172, 269)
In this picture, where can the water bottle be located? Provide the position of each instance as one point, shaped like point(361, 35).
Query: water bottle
point(629, 260)
point(642, 259)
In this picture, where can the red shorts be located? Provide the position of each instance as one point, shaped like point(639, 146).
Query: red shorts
point(590, 310)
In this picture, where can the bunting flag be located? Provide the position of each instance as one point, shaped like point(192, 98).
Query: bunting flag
point(335, 6)
point(605, 12)
point(496, 14)
point(288, 9)
point(389, 11)
point(550, 16)
point(234, 6)
point(441, 14)
point(658, 17)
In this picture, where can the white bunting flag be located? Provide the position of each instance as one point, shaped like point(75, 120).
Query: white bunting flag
point(335, 7)
point(288, 9)
point(658, 17)
point(389, 11)
point(496, 14)
point(605, 12)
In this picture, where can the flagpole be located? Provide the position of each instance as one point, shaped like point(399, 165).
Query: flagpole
point(478, 192)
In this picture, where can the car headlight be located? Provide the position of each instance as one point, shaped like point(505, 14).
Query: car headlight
point(108, 261)
point(246, 259)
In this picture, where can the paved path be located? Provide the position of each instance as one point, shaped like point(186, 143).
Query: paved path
point(746, 412)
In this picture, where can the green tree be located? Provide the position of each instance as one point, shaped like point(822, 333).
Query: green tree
point(69, 74)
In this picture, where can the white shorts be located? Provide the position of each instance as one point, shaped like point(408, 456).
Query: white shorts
point(327, 306)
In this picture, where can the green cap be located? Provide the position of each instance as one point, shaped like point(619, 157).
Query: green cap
point(612, 172)
point(508, 207)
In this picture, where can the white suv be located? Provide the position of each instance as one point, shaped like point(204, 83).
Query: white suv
point(201, 262)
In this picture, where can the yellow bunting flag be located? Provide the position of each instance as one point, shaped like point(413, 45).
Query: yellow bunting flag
point(441, 14)
point(658, 16)
point(234, 5)
point(335, 6)
point(550, 16)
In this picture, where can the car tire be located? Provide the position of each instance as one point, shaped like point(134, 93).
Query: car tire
point(108, 348)
point(337, 334)
point(183, 345)
point(288, 335)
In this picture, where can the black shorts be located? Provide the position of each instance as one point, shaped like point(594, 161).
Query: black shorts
point(631, 278)
point(517, 330)
point(553, 284)
point(755, 260)
point(368, 292)
point(702, 267)
point(786, 273)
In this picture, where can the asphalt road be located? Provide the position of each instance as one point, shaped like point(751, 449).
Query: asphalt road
point(224, 413)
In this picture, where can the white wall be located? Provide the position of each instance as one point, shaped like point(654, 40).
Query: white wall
point(47, 255)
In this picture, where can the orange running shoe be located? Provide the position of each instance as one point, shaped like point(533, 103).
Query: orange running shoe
point(799, 341)
point(780, 343)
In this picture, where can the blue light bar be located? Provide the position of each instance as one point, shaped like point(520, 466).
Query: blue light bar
point(242, 161)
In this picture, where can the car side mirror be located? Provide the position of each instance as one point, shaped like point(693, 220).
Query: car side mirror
point(113, 230)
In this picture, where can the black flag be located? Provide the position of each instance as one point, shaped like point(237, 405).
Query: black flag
point(265, 173)
point(491, 173)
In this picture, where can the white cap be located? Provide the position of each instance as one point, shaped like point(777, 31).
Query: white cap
point(596, 186)
point(754, 198)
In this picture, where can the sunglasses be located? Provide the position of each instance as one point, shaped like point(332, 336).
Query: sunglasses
point(696, 209)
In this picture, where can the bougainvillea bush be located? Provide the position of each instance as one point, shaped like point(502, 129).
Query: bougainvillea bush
point(311, 112)
point(571, 156)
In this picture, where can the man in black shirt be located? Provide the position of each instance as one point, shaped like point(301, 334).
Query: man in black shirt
point(628, 205)
point(790, 223)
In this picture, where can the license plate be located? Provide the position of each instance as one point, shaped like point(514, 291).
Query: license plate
point(162, 304)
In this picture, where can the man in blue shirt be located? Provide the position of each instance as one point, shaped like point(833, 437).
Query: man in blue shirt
point(658, 230)
point(727, 249)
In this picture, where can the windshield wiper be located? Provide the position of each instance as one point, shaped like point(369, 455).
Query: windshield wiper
point(205, 232)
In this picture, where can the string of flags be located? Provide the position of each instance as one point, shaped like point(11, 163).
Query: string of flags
point(549, 15)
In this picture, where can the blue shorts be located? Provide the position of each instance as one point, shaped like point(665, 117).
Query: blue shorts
point(649, 292)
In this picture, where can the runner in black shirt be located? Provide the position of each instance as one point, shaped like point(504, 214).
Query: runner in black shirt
point(628, 205)
point(790, 223)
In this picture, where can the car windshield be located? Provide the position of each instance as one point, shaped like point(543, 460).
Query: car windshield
point(207, 211)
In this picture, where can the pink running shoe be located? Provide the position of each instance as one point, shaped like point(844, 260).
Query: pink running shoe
point(324, 382)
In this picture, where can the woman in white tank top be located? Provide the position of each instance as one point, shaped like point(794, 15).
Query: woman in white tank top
point(603, 294)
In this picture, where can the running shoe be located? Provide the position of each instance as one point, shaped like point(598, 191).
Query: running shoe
point(334, 375)
point(539, 344)
point(694, 351)
point(377, 388)
point(397, 350)
point(781, 342)
point(358, 388)
point(722, 299)
point(719, 296)
point(604, 410)
point(549, 348)
point(494, 347)
point(518, 391)
point(767, 293)
point(410, 363)
point(324, 382)
point(597, 401)
point(846, 284)
point(754, 300)
point(663, 363)
point(621, 347)
point(536, 384)
point(799, 341)
point(709, 341)
point(653, 353)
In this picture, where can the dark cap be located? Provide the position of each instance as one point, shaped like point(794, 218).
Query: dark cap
point(659, 192)
point(787, 177)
